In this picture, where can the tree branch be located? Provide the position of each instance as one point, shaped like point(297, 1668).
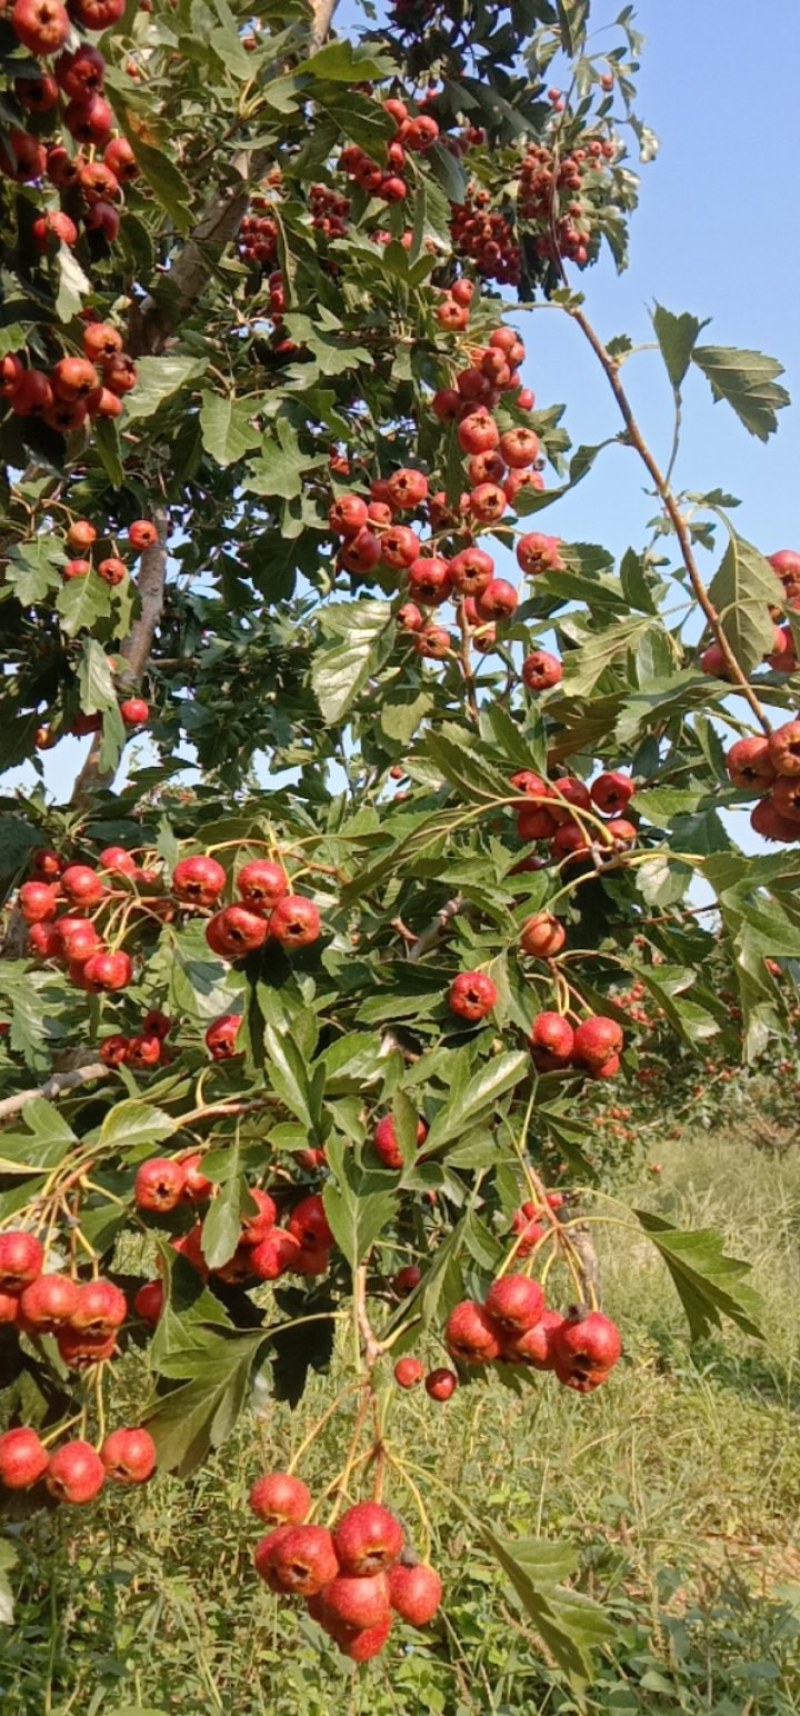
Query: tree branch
point(673, 511)
point(53, 1087)
point(436, 928)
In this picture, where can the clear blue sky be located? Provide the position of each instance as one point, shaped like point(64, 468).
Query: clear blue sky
point(716, 234)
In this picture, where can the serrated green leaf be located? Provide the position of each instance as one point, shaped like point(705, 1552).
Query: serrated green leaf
point(709, 1284)
point(223, 1223)
point(748, 381)
point(356, 1213)
point(95, 679)
point(226, 427)
point(82, 601)
point(131, 1123)
point(73, 285)
point(159, 379)
point(677, 338)
point(360, 637)
point(200, 1413)
point(489, 1083)
point(742, 590)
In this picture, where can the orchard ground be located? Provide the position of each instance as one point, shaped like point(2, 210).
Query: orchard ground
point(679, 1485)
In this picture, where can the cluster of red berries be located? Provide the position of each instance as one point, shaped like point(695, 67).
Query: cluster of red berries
point(76, 389)
point(268, 910)
point(594, 1046)
point(553, 812)
point(782, 657)
point(265, 1250)
point(515, 1326)
point(81, 537)
point(143, 1051)
point(485, 237)
point(74, 940)
point(771, 768)
point(414, 134)
point(630, 1000)
point(76, 1471)
point(84, 1316)
point(548, 198)
point(354, 1578)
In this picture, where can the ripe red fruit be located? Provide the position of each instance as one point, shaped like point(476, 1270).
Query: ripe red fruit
point(44, 941)
point(433, 642)
point(543, 936)
point(220, 1038)
point(119, 158)
point(541, 670)
point(9, 1308)
point(415, 1592)
point(105, 971)
point(786, 563)
point(596, 1040)
point(471, 571)
point(36, 94)
point(786, 799)
point(784, 748)
point(23, 1460)
point(407, 489)
point(262, 884)
point(441, 1384)
point(295, 922)
point(280, 1499)
point(364, 1645)
point(429, 580)
point(142, 534)
point(585, 1349)
point(367, 1540)
point(385, 1141)
point(487, 503)
point(21, 1259)
point(535, 823)
point(57, 225)
point(134, 710)
point(78, 938)
point(297, 1559)
point(149, 1302)
point(42, 26)
point(407, 1279)
point(101, 1308)
point(235, 932)
point(552, 1041)
point(275, 1255)
point(97, 14)
point(73, 379)
point(611, 792)
point(408, 1372)
point(256, 1223)
point(75, 1473)
point(537, 553)
point(199, 880)
point(353, 1602)
point(38, 902)
point(478, 432)
point(472, 995)
point(48, 1302)
point(120, 373)
point(308, 1224)
point(766, 820)
point(348, 515)
point(535, 1347)
point(159, 1184)
point(450, 314)
point(112, 572)
point(80, 75)
point(23, 159)
point(32, 396)
point(519, 448)
point(514, 1303)
point(129, 1456)
point(497, 601)
point(470, 1334)
point(400, 547)
point(82, 885)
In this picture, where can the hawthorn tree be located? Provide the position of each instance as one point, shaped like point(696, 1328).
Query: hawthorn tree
point(317, 1040)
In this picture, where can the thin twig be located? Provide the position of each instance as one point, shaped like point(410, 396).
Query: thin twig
point(53, 1087)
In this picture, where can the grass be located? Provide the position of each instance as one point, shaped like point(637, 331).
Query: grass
point(679, 1484)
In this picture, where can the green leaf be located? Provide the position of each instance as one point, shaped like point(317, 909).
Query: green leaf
point(223, 1223)
point(476, 780)
point(345, 62)
point(8, 1561)
point(289, 1074)
point(82, 601)
point(200, 1414)
point(95, 679)
point(448, 173)
point(488, 1084)
point(709, 1284)
point(403, 712)
point(227, 428)
point(132, 1123)
point(105, 437)
point(747, 380)
point(73, 285)
point(280, 465)
point(357, 1215)
point(599, 651)
point(571, 1625)
point(362, 636)
point(742, 590)
point(159, 379)
point(677, 337)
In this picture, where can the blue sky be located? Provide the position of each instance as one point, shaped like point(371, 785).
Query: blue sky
point(717, 234)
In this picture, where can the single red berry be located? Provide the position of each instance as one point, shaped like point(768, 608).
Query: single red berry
point(611, 791)
point(159, 1184)
point(105, 971)
point(149, 1302)
point(101, 1308)
point(535, 1346)
point(470, 1334)
point(415, 1592)
point(585, 1349)
point(297, 1559)
point(21, 1259)
point(514, 1303)
point(220, 1037)
point(386, 1144)
point(279, 1498)
point(38, 902)
point(472, 995)
point(543, 936)
point(129, 1456)
point(596, 1040)
point(552, 1041)
point(199, 881)
point(309, 1225)
point(262, 884)
point(142, 534)
point(367, 1540)
point(75, 1473)
point(48, 1302)
point(82, 885)
point(441, 1384)
point(234, 932)
point(23, 1460)
point(408, 1372)
point(295, 922)
point(541, 670)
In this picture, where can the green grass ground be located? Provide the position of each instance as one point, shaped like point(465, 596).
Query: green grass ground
point(679, 1482)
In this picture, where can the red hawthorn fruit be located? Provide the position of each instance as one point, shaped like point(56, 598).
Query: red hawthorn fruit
point(407, 489)
point(21, 1259)
point(234, 932)
point(117, 860)
point(44, 941)
point(385, 1141)
point(784, 748)
point(47, 864)
point(415, 1592)
point(129, 1456)
point(359, 554)
point(485, 468)
point(786, 798)
point(37, 94)
point(113, 1051)
point(611, 792)
point(713, 662)
point(295, 922)
point(57, 225)
point(532, 785)
point(407, 1279)
point(196, 1188)
point(535, 1347)
point(359, 1603)
point(537, 553)
point(541, 670)
point(144, 1052)
point(410, 618)
point(519, 447)
point(262, 884)
point(101, 1308)
point(766, 820)
point(596, 1040)
point(478, 432)
point(367, 1540)
point(97, 14)
point(73, 379)
point(447, 405)
point(142, 534)
point(32, 396)
point(257, 1223)
point(279, 1498)
point(297, 1559)
point(433, 642)
point(429, 580)
point(75, 1473)
point(543, 936)
point(408, 1372)
point(23, 1460)
point(451, 315)
point(23, 160)
point(119, 158)
point(105, 971)
point(470, 1334)
point(536, 823)
point(622, 832)
point(38, 902)
point(348, 515)
point(112, 572)
point(472, 995)
point(220, 1037)
point(585, 1349)
point(82, 885)
point(134, 710)
point(487, 503)
point(400, 547)
point(441, 1384)
point(120, 373)
point(12, 371)
point(149, 1302)
point(48, 1302)
point(9, 1308)
point(78, 938)
point(786, 563)
point(497, 601)
point(199, 881)
point(42, 26)
point(81, 1351)
point(159, 1184)
point(80, 75)
point(514, 1303)
point(89, 121)
point(308, 1224)
point(552, 1041)
point(566, 796)
point(275, 1255)
point(363, 1646)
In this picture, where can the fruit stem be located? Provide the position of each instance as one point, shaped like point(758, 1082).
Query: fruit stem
point(320, 1423)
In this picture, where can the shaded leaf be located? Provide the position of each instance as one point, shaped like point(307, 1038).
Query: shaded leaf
point(748, 381)
point(709, 1284)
